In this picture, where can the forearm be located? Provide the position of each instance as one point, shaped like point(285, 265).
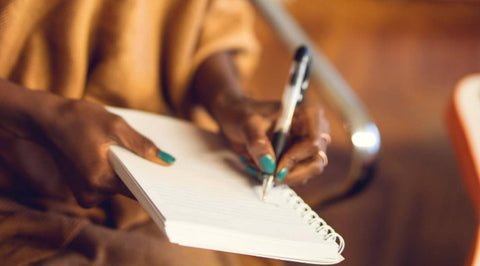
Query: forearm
point(216, 83)
point(20, 108)
point(13, 107)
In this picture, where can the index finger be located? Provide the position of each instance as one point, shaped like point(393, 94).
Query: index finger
point(258, 144)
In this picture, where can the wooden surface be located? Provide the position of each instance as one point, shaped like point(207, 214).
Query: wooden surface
point(403, 59)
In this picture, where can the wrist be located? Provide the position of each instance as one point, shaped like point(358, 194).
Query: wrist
point(43, 109)
point(224, 99)
point(21, 109)
point(14, 105)
point(217, 84)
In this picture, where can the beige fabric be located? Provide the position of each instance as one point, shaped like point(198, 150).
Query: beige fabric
point(123, 53)
point(139, 54)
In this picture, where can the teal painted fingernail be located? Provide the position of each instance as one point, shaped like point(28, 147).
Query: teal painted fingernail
point(268, 164)
point(243, 159)
point(166, 157)
point(282, 173)
point(251, 171)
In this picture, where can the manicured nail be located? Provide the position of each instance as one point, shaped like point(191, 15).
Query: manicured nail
point(243, 159)
point(166, 157)
point(251, 171)
point(282, 173)
point(268, 164)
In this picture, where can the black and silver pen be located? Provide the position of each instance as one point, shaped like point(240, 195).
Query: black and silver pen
point(293, 95)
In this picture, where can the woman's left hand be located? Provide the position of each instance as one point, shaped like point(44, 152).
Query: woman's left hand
point(248, 126)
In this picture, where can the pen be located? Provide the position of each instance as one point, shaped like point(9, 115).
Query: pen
point(292, 96)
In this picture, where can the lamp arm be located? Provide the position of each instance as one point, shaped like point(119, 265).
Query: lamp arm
point(339, 96)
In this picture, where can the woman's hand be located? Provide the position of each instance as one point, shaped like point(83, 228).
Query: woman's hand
point(248, 125)
point(71, 137)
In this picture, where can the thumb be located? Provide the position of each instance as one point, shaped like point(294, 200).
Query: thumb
point(145, 148)
point(258, 145)
point(151, 152)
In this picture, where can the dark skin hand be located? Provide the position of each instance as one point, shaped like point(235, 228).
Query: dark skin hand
point(247, 125)
point(53, 146)
point(51, 143)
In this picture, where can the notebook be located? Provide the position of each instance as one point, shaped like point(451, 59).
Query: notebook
point(205, 199)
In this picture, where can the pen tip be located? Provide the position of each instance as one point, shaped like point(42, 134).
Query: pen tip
point(266, 184)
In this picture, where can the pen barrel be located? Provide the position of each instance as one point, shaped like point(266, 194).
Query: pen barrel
point(295, 88)
point(279, 141)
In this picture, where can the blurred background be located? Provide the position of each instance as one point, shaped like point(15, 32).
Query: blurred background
point(403, 59)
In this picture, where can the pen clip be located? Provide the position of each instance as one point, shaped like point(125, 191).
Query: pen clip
point(303, 58)
point(305, 83)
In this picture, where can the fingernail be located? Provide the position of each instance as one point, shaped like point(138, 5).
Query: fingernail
point(251, 171)
point(166, 157)
point(243, 159)
point(282, 173)
point(268, 164)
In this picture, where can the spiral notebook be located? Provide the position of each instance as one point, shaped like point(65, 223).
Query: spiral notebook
point(205, 200)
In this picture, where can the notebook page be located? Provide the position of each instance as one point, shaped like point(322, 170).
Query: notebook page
point(208, 188)
point(202, 211)
point(215, 197)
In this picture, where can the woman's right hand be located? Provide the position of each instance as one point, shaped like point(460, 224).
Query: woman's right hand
point(76, 134)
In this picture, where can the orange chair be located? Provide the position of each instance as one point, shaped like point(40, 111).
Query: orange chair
point(463, 119)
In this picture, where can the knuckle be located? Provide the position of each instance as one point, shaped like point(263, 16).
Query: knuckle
point(317, 169)
point(321, 112)
point(326, 126)
point(148, 147)
point(259, 143)
point(99, 179)
point(76, 106)
point(116, 123)
point(69, 109)
point(315, 145)
point(93, 181)
point(70, 106)
point(252, 122)
point(88, 199)
point(307, 179)
point(290, 161)
point(147, 143)
point(255, 133)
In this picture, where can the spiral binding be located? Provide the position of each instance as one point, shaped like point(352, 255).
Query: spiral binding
point(312, 218)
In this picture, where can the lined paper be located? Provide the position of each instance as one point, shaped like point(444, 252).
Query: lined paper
point(207, 201)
